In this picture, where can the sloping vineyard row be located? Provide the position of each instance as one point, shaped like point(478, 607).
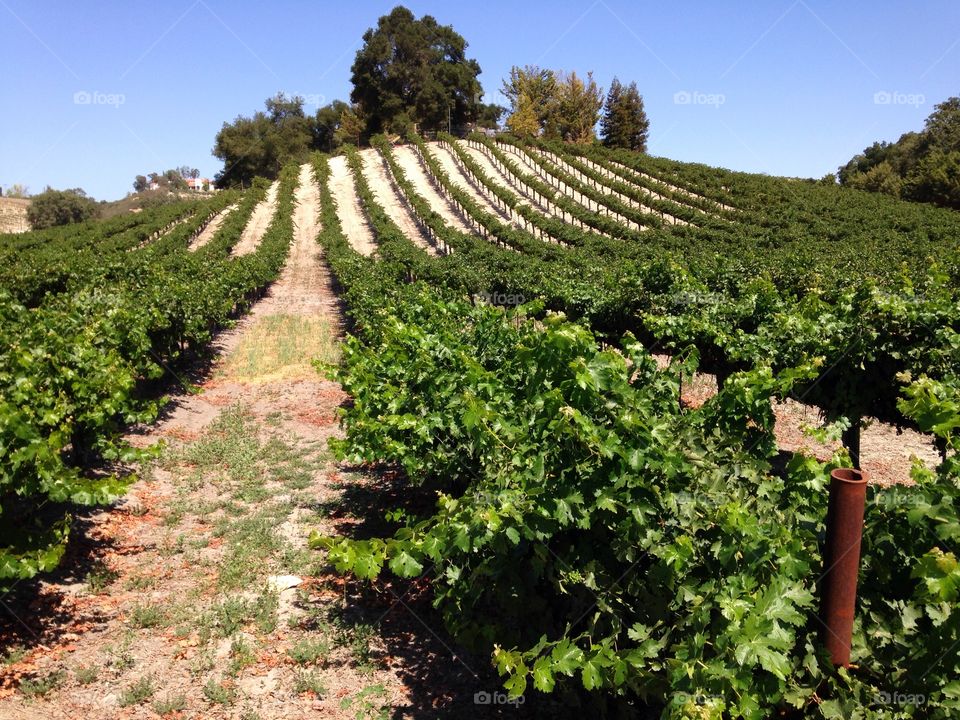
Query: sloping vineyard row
point(594, 536)
point(76, 369)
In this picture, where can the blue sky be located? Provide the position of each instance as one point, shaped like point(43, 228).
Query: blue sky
point(95, 93)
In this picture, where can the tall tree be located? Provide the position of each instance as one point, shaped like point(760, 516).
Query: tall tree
point(351, 127)
point(922, 166)
point(524, 122)
point(624, 123)
point(265, 142)
point(326, 123)
point(417, 69)
point(489, 115)
point(536, 85)
point(575, 109)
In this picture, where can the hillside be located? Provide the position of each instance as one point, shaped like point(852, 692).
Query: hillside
point(13, 215)
point(442, 403)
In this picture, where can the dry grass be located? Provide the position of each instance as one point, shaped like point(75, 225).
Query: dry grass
point(282, 347)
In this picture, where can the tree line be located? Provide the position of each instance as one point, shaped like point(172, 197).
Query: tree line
point(563, 106)
point(922, 166)
point(415, 73)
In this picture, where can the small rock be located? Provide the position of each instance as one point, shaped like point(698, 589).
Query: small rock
point(280, 583)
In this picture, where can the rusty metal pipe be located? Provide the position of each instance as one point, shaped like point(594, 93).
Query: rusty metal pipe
point(841, 560)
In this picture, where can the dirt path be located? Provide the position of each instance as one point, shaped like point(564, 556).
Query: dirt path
point(259, 222)
point(377, 176)
point(407, 159)
point(352, 220)
point(206, 235)
point(197, 597)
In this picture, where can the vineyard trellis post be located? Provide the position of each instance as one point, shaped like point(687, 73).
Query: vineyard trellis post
point(841, 560)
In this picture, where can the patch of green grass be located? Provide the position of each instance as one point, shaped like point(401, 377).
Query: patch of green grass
point(138, 692)
point(282, 346)
point(242, 655)
point(308, 681)
point(86, 674)
point(14, 655)
point(367, 704)
point(141, 582)
point(148, 616)
point(250, 542)
point(120, 656)
point(101, 576)
point(306, 651)
point(169, 546)
point(38, 687)
point(169, 704)
point(219, 693)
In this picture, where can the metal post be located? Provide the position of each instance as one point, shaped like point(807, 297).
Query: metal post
point(841, 558)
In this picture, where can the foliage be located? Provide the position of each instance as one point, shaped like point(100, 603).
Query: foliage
point(575, 109)
point(60, 207)
point(112, 307)
point(922, 166)
point(523, 121)
point(260, 145)
point(414, 68)
point(534, 87)
point(624, 123)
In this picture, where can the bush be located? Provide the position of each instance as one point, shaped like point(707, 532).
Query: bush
point(61, 207)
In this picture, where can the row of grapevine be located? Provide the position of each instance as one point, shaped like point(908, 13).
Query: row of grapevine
point(75, 370)
point(594, 536)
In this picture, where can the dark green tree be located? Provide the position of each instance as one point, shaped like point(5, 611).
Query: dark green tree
point(140, 183)
point(325, 125)
point(624, 123)
point(417, 69)
point(60, 207)
point(262, 144)
point(489, 115)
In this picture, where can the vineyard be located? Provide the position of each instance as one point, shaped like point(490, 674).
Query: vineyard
point(524, 323)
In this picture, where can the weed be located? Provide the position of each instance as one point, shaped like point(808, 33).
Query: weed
point(86, 674)
point(219, 693)
point(101, 576)
point(147, 616)
point(308, 681)
point(307, 651)
point(41, 686)
point(169, 704)
point(138, 692)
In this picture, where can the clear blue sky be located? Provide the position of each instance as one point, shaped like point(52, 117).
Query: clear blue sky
point(787, 87)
